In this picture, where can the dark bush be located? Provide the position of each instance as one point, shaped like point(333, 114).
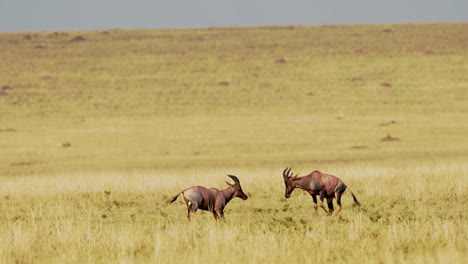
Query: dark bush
point(78, 39)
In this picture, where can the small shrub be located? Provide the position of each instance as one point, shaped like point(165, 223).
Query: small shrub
point(389, 138)
point(78, 39)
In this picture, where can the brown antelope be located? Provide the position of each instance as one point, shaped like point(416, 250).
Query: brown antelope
point(213, 200)
point(317, 183)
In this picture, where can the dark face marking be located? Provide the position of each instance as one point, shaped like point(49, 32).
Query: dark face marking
point(289, 188)
point(240, 193)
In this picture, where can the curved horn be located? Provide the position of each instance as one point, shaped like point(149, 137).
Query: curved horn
point(286, 173)
point(235, 179)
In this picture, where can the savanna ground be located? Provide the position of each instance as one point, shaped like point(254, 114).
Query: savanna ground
point(99, 129)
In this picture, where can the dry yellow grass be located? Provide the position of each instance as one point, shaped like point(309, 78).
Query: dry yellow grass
point(411, 213)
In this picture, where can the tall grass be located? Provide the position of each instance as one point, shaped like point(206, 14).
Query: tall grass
point(412, 213)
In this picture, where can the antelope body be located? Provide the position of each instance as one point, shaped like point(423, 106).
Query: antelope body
point(326, 186)
point(213, 200)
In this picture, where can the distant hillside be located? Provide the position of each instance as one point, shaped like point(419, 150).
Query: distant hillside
point(408, 67)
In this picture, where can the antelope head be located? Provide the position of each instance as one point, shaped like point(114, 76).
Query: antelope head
point(288, 182)
point(237, 188)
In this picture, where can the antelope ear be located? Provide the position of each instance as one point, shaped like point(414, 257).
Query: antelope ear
point(230, 184)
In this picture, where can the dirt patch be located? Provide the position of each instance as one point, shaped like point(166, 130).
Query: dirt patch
point(386, 84)
point(359, 147)
point(360, 51)
point(47, 78)
point(280, 61)
point(389, 138)
point(224, 83)
point(429, 52)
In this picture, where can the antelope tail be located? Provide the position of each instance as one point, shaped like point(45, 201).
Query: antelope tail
point(175, 198)
point(354, 198)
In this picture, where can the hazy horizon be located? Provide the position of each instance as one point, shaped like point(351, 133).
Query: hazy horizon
point(53, 15)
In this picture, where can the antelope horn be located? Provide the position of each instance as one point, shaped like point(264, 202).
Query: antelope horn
point(286, 173)
point(235, 179)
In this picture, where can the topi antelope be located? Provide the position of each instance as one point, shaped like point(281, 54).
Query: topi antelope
point(213, 200)
point(317, 183)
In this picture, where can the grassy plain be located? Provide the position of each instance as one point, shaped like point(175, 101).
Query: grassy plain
point(143, 114)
